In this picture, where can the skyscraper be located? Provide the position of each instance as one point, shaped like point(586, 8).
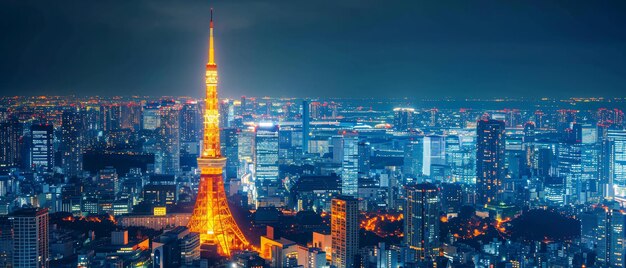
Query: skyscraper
point(350, 165)
point(601, 222)
point(211, 216)
point(190, 122)
point(229, 142)
point(403, 119)
point(10, 143)
point(610, 235)
point(41, 153)
point(617, 239)
point(617, 160)
point(245, 148)
point(30, 238)
point(72, 142)
point(434, 152)
point(111, 115)
point(167, 156)
point(266, 156)
point(606, 161)
point(421, 219)
point(306, 117)
point(344, 228)
point(413, 157)
point(150, 117)
point(289, 145)
point(108, 183)
point(131, 116)
point(460, 156)
point(591, 187)
point(226, 117)
point(490, 155)
point(92, 125)
point(365, 157)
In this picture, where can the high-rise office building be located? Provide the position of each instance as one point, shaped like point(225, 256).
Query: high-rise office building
point(490, 156)
point(230, 145)
point(618, 239)
point(403, 119)
point(30, 238)
point(190, 248)
point(190, 122)
point(601, 220)
point(569, 165)
point(617, 160)
point(289, 145)
point(246, 150)
point(131, 116)
point(414, 157)
point(92, 125)
point(350, 165)
point(606, 163)
point(10, 143)
point(344, 226)
point(434, 117)
point(421, 219)
point(72, 142)
point(226, 111)
point(591, 188)
point(6, 239)
point(564, 119)
point(323, 110)
point(365, 158)
point(460, 156)
point(306, 117)
point(266, 157)
point(167, 156)
point(610, 236)
point(41, 150)
point(451, 197)
point(111, 115)
point(244, 105)
point(336, 147)
point(514, 155)
point(577, 162)
point(108, 183)
point(150, 117)
point(434, 153)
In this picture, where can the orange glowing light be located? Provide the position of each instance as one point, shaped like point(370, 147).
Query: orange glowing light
point(500, 225)
point(373, 222)
point(211, 215)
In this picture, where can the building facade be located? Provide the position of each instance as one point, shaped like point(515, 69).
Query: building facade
point(344, 231)
point(30, 238)
point(490, 160)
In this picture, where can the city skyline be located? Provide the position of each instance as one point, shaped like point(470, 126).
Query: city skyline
point(371, 178)
point(368, 49)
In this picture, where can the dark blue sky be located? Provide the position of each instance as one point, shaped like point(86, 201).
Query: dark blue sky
point(322, 48)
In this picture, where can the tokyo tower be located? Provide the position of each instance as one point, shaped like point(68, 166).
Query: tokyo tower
point(211, 216)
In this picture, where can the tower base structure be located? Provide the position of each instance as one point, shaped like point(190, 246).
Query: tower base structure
point(211, 216)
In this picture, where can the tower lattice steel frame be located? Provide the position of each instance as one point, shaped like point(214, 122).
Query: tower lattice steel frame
point(211, 215)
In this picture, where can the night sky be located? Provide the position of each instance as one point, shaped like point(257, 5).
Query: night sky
point(413, 48)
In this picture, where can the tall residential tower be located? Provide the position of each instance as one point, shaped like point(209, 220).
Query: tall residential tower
point(490, 169)
point(344, 227)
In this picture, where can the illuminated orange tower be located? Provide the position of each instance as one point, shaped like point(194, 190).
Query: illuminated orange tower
point(211, 216)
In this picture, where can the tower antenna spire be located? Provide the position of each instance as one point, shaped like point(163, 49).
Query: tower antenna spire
point(211, 46)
